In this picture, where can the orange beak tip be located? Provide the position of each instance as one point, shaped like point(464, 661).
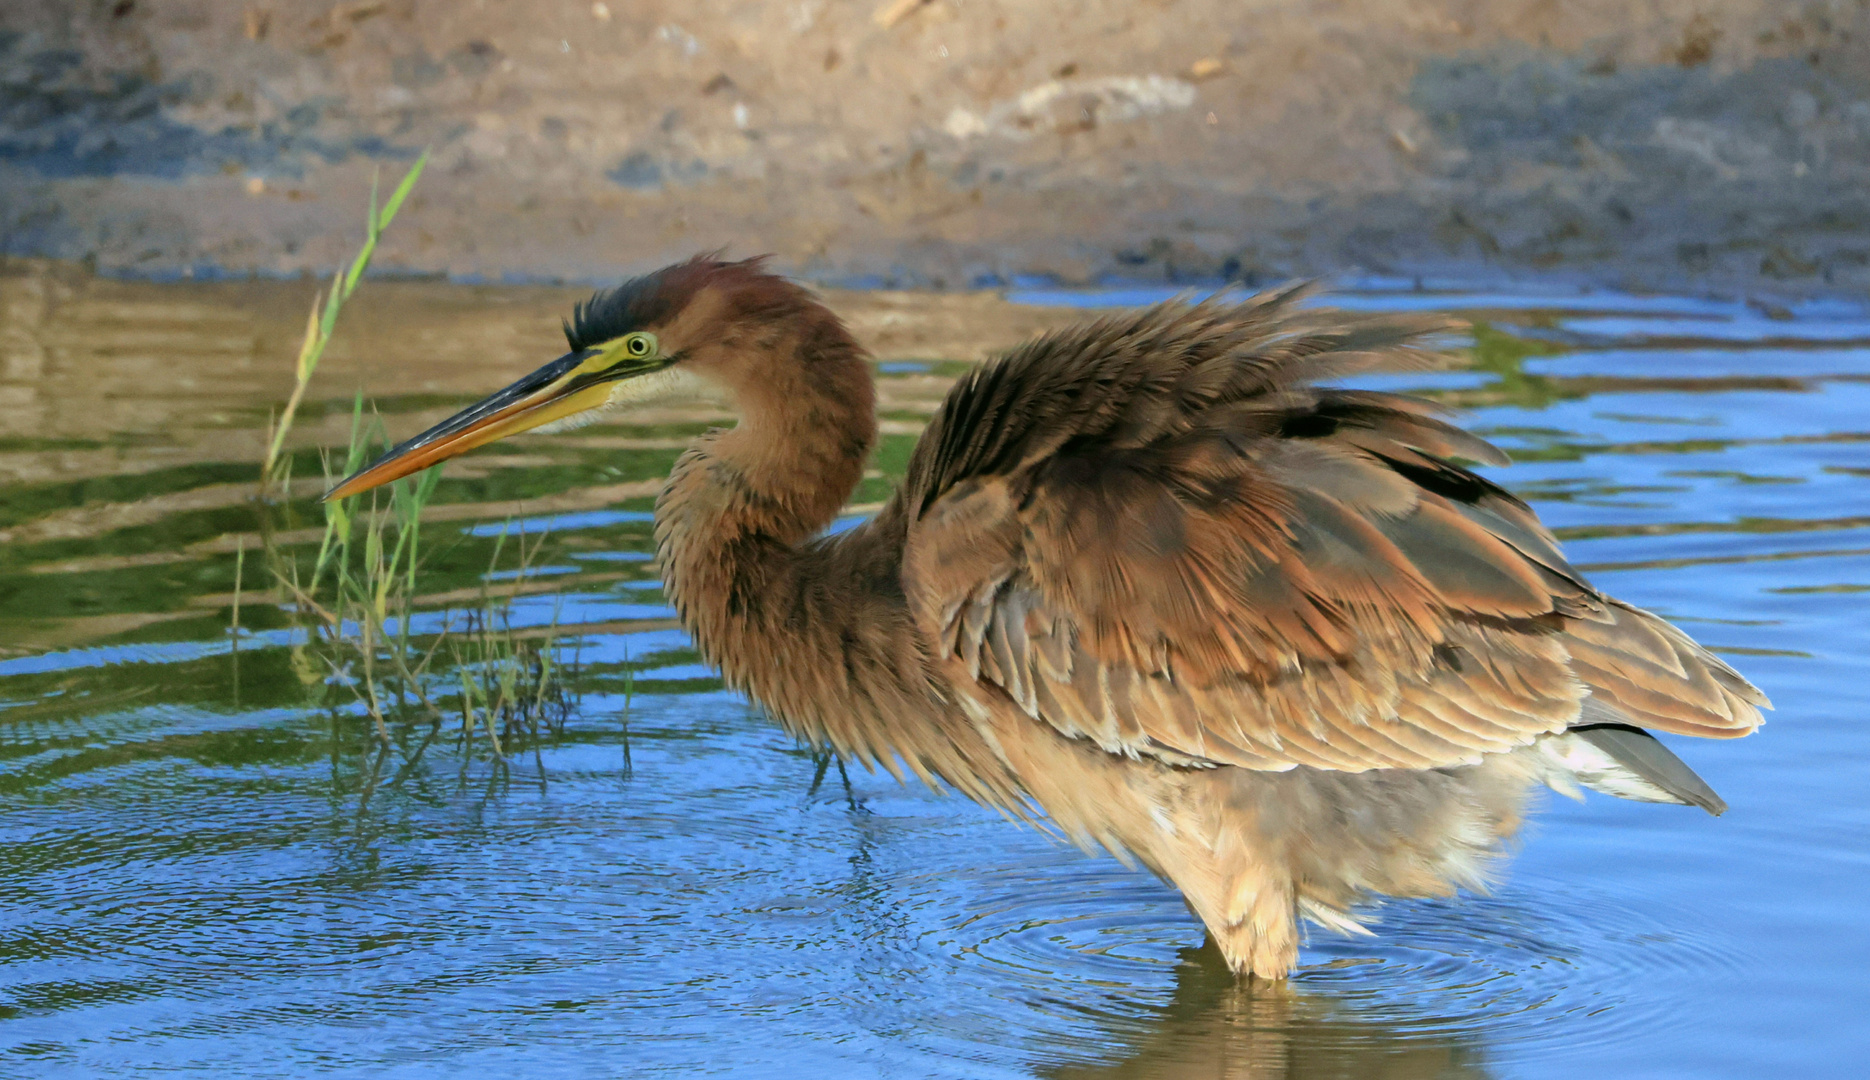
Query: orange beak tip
point(527, 404)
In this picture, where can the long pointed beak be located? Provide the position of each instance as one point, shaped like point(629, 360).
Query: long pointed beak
point(561, 388)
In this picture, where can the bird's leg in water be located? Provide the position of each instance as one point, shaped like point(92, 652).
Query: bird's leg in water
point(1250, 915)
point(1257, 933)
point(823, 759)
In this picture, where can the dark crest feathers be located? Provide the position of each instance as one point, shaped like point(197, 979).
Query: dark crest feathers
point(650, 300)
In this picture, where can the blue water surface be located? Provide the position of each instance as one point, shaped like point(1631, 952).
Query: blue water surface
point(214, 867)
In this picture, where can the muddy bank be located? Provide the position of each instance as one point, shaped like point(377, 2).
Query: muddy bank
point(1719, 145)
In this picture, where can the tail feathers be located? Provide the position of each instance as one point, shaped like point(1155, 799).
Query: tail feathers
point(1621, 759)
point(1653, 764)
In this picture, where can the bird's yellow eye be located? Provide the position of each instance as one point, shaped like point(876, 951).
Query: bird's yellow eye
point(632, 351)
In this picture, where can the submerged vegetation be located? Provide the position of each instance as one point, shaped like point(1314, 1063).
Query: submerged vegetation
point(364, 643)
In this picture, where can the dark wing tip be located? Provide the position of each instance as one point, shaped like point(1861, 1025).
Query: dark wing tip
point(1643, 754)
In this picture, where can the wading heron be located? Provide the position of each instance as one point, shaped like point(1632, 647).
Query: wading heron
point(1145, 578)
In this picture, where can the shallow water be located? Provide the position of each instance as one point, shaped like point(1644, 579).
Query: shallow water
point(195, 884)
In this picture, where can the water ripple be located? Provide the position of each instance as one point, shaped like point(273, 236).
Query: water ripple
point(197, 884)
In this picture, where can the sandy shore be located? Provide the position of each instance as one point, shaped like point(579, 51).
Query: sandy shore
point(1715, 145)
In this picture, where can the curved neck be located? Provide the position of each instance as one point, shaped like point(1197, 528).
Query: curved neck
point(732, 525)
point(816, 630)
point(807, 409)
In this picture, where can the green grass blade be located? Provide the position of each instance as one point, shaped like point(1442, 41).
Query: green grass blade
point(332, 306)
point(372, 228)
point(395, 203)
point(359, 265)
point(360, 443)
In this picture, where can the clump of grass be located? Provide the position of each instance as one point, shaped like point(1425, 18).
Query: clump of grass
point(512, 687)
point(361, 640)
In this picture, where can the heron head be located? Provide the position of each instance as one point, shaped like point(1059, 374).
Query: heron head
point(660, 335)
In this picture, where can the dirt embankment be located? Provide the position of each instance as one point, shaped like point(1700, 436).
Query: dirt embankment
point(1682, 144)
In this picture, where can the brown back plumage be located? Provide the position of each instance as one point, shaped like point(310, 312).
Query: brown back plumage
point(1157, 532)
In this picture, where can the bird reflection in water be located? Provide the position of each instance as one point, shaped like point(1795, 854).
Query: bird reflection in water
point(1220, 1027)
